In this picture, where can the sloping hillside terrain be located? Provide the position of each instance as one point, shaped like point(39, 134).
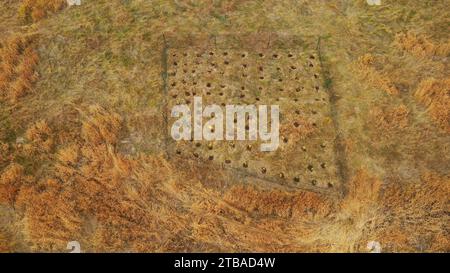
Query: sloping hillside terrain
point(83, 133)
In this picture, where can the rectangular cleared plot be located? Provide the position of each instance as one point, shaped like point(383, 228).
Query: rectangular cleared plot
point(288, 77)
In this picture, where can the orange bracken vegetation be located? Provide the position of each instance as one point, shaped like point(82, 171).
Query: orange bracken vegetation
point(6, 245)
point(109, 201)
point(416, 208)
point(67, 176)
point(277, 203)
point(39, 137)
point(89, 190)
point(11, 180)
point(35, 10)
point(101, 126)
point(435, 96)
point(17, 68)
point(4, 152)
point(365, 68)
point(421, 46)
point(389, 119)
point(393, 212)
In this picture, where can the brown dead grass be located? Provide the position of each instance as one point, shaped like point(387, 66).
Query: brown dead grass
point(35, 10)
point(6, 244)
point(393, 214)
point(390, 119)
point(4, 152)
point(111, 202)
point(101, 126)
point(363, 192)
point(276, 203)
point(411, 208)
point(435, 96)
point(68, 181)
point(365, 67)
point(18, 68)
point(420, 45)
point(356, 213)
point(88, 179)
point(39, 137)
point(11, 180)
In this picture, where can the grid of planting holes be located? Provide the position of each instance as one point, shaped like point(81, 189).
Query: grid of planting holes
point(289, 78)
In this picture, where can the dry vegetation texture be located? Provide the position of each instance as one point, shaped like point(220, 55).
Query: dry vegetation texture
point(17, 70)
point(81, 146)
point(420, 208)
point(420, 45)
point(435, 96)
point(365, 66)
point(35, 10)
point(390, 119)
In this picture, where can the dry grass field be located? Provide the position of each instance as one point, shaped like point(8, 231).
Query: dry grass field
point(84, 150)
